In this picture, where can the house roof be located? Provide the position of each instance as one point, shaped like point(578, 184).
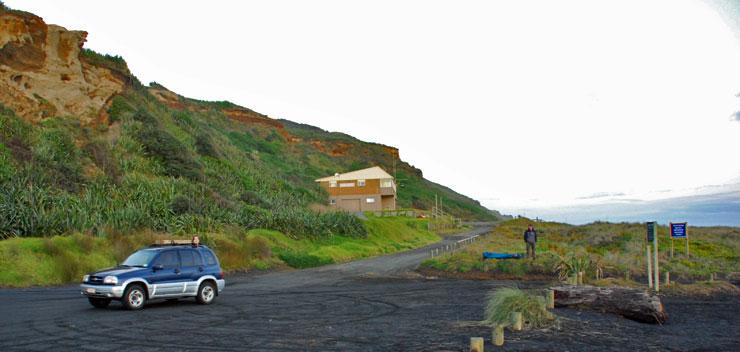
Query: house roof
point(375, 172)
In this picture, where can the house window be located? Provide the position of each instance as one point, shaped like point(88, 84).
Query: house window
point(386, 183)
point(332, 183)
point(346, 184)
point(370, 200)
point(332, 202)
point(360, 183)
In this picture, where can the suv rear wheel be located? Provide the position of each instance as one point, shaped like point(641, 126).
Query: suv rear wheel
point(99, 302)
point(134, 297)
point(206, 293)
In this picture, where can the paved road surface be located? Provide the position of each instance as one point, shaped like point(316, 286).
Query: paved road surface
point(368, 305)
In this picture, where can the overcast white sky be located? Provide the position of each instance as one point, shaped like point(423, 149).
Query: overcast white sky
point(515, 103)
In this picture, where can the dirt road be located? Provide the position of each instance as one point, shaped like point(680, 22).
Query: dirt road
point(368, 305)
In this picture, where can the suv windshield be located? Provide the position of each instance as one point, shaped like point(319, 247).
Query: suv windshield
point(140, 258)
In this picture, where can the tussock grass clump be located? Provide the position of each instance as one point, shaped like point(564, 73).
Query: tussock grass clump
point(504, 301)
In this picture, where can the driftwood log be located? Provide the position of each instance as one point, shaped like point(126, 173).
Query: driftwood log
point(630, 303)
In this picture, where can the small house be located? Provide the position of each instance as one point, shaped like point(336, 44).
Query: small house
point(370, 189)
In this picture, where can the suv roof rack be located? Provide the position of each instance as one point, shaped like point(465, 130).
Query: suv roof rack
point(195, 242)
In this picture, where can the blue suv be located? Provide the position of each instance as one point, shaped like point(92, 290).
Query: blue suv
point(160, 271)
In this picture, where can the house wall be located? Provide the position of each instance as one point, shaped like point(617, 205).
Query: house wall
point(388, 202)
point(347, 202)
point(371, 187)
point(344, 197)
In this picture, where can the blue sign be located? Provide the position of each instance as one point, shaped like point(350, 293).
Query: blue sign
point(678, 230)
point(651, 231)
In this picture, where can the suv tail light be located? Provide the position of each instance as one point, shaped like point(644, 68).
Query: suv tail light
point(221, 275)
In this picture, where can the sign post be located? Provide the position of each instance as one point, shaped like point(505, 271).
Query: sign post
point(670, 237)
point(680, 230)
point(657, 270)
point(650, 227)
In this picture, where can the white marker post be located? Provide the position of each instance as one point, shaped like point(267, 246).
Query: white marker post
point(657, 270)
point(649, 266)
point(650, 237)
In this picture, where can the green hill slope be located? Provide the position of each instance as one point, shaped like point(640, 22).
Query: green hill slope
point(151, 159)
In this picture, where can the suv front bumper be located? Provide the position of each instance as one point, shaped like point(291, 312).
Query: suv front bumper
point(101, 291)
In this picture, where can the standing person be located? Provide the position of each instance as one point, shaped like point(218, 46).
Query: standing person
point(530, 238)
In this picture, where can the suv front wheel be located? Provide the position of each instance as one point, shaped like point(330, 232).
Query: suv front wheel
point(134, 297)
point(206, 293)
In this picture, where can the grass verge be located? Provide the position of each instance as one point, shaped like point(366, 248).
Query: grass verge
point(64, 259)
point(611, 249)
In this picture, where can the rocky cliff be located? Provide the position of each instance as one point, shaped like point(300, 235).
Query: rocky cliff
point(42, 75)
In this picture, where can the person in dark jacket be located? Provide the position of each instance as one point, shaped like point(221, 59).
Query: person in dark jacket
point(530, 238)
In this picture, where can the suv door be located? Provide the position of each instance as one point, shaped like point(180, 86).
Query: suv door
point(166, 281)
point(192, 267)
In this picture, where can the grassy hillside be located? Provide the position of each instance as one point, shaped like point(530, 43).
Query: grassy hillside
point(614, 248)
point(167, 163)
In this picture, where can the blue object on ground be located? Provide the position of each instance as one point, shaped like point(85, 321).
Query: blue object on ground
point(494, 255)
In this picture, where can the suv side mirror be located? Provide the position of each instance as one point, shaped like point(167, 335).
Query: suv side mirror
point(157, 267)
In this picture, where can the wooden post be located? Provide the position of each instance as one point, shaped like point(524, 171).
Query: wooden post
point(711, 277)
point(667, 278)
point(657, 270)
point(476, 344)
point(551, 299)
point(580, 277)
point(516, 321)
point(670, 226)
point(498, 335)
point(649, 267)
point(687, 242)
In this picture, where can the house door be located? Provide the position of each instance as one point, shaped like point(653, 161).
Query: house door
point(350, 204)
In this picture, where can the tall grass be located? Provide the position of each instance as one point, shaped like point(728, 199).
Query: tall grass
point(613, 249)
point(504, 301)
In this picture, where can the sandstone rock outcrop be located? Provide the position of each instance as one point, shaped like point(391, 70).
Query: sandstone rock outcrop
point(42, 75)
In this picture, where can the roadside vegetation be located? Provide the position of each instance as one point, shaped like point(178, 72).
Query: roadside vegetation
point(65, 258)
point(616, 251)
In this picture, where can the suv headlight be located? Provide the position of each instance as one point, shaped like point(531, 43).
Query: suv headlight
point(111, 280)
point(86, 278)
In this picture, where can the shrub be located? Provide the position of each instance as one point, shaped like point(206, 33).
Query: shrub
point(56, 152)
point(253, 198)
point(101, 155)
point(173, 155)
point(258, 248)
point(6, 167)
point(204, 145)
point(183, 205)
point(573, 264)
point(504, 301)
point(302, 260)
point(118, 108)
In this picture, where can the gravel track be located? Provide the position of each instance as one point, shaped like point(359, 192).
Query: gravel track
point(368, 305)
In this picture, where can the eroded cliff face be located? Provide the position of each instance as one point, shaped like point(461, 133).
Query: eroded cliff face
point(42, 76)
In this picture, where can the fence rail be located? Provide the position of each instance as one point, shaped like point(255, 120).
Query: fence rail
point(455, 246)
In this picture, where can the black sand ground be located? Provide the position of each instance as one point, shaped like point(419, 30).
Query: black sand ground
point(370, 305)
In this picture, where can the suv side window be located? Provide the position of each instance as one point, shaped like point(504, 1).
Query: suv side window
point(198, 258)
point(209, 258)
point(190, 257)
point(168, 259)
